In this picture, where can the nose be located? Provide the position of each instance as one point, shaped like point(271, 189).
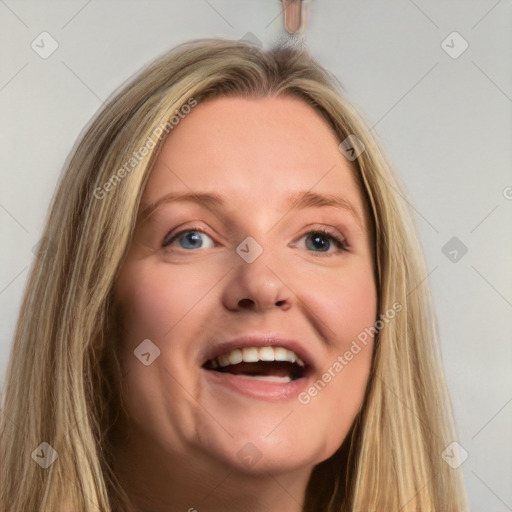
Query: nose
point(260, 285)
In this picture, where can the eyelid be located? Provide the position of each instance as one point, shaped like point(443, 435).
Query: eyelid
point(335, 231)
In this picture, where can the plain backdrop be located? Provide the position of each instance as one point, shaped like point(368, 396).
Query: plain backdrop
point(433, 79)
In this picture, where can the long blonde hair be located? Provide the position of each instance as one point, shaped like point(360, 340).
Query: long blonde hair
point(63, 382)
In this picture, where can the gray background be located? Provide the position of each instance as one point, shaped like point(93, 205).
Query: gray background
point(444, 122)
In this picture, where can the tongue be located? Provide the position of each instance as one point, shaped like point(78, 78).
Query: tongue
point(261, 368)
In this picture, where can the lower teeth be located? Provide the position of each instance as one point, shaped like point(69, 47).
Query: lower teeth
point(269, 378)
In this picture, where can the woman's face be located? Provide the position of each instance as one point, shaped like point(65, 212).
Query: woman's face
point(249, 270)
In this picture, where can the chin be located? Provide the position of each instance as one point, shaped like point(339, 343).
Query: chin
point(255, 454)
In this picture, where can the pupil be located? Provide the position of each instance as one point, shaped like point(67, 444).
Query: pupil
point(319, 239)
point(192, 236)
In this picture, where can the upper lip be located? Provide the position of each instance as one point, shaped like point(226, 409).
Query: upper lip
point(260, 340)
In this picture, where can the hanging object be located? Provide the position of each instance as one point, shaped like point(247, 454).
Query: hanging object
point(292, 10)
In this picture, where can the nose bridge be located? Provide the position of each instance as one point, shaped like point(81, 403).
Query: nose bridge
point(260, 256)
point(260, 272)
point(261, 240)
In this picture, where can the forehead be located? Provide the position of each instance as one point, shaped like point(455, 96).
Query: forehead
point(254, 152)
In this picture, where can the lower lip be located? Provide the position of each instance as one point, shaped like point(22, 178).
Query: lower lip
point(254, 388)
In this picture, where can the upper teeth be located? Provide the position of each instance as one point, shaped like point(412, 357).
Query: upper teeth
point(255, 354)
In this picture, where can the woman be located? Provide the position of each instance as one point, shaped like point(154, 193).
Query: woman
point(237, 316)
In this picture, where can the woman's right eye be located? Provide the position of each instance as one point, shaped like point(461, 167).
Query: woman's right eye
point(189, 239)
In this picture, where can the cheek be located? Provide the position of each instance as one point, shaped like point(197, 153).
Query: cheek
point(156, 300)
point(352, 317)
point(164, 305)
point(349, 304)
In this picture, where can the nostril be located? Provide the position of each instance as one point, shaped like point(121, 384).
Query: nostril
point(246, 303)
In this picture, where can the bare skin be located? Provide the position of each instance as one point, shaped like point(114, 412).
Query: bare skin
point(197, 444)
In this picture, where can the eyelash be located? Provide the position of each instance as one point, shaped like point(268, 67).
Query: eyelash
point(340, 243)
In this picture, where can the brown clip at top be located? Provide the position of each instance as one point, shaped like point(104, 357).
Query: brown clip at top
point(292, 15)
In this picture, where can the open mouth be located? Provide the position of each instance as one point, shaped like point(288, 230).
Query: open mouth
point(272, 364)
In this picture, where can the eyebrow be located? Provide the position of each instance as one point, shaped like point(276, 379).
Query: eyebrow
point(212, 201)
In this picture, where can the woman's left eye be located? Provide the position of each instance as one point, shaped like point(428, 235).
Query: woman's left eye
point(191, 238)
point(320, 240)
